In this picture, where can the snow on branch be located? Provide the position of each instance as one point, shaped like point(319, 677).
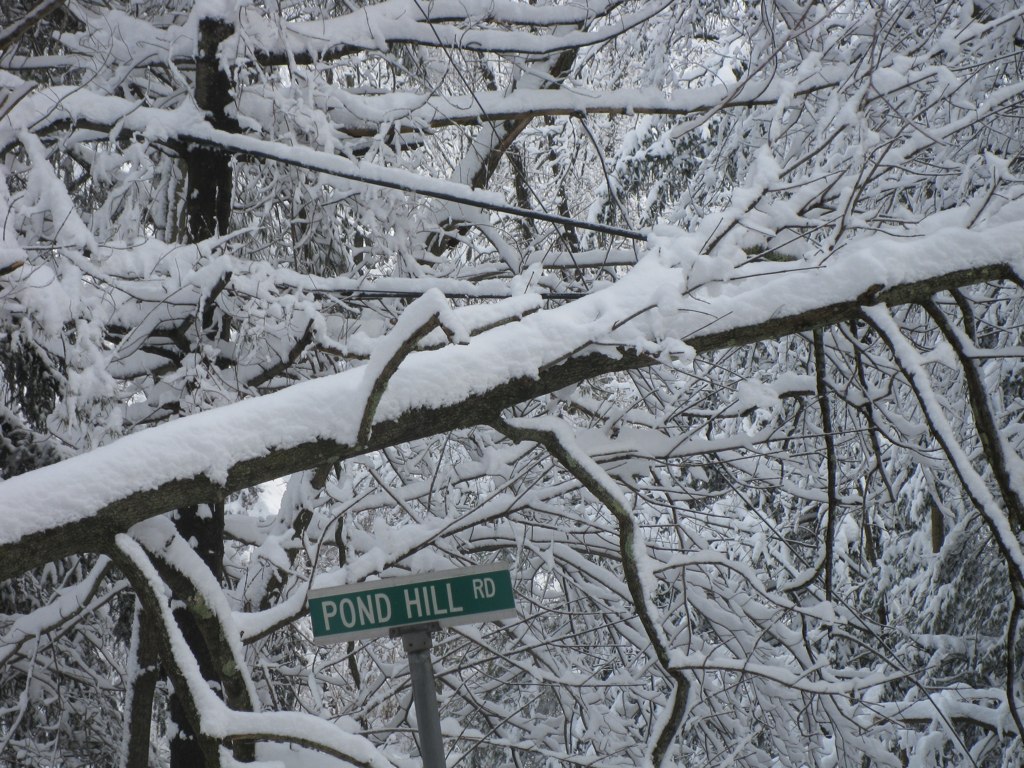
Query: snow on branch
point(82, 502)
point(428, 312)
point(34, 15)
point(984, 500)
point(431, 24)
point(470, 109)
point(187, 126)
point(215, 721)
point(637, 567)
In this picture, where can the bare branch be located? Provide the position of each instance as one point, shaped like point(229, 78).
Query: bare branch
point(29, 20)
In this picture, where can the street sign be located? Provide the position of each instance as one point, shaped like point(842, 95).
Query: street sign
point(374, 608)
point(414, 606)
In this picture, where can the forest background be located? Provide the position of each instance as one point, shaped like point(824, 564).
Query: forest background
point(704, 317)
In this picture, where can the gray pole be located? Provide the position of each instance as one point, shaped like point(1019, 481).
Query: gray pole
point(417, 644)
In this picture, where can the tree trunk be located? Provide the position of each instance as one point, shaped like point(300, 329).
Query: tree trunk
point(139, 716)
point(208, 210)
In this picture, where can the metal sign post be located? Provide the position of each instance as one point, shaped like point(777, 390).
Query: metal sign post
point(417, 643)
point(412, 607)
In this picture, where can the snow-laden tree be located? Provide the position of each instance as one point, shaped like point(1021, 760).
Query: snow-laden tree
point(704, 317)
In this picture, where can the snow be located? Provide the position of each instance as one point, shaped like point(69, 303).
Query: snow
point(990, 508)
point(159, 536)
point(11, 254)
point(798, 133)
point(292, 756)
point(396, 21)
point(636, 312)
point(438, 110)
point(67, 601)
point(187, 123)
point(221, 722)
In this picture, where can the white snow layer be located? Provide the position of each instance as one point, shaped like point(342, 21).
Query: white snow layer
point(649, 310)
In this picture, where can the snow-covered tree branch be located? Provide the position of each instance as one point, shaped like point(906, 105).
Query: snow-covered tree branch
point(704, 318)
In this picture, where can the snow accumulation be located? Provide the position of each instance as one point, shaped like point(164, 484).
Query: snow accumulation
point(221, 722)
point(651, 309)
point(379, 25)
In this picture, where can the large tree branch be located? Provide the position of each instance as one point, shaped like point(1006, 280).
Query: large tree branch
point(80, 504)
point(479, 107)
point(188, 132)
point(439, 25)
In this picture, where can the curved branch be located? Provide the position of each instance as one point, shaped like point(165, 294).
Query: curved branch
point(1005, 464)
point(418, 320)
point(909, 362)
point(178, 662)
point(212, 720)
point(558, 441)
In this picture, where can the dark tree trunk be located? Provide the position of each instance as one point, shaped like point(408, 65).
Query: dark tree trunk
point(205, 526)
point(208, 202)
point(143, 686)
point(208, 210)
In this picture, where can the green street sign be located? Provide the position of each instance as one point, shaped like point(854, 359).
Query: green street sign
point(448, 598)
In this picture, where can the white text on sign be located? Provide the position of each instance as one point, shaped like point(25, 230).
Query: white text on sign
point(420, 603)
point(483, 587)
